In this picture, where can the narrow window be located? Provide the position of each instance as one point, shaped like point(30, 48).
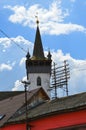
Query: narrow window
point(38, 81)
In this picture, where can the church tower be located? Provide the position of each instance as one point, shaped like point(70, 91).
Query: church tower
point(38, 67)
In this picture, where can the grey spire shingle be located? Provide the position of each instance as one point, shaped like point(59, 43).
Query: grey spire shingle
point(38, 48)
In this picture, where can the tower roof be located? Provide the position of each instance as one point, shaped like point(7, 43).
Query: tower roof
point(38, 52)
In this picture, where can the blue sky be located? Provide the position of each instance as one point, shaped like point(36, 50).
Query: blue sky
point(63, 31)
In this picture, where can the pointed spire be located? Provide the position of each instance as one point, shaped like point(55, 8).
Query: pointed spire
point(49, 55)
point(38, 52)
point(28, 55)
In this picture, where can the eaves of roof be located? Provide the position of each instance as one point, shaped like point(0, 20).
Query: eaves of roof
point(7, 94)
point(10, 105)
point(56, 106)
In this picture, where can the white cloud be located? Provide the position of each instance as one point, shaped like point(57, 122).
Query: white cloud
point(5, 67)
point(51, 20)
point(57, 28)
point(20, 41)
point(18, 85)
point(27, 18)
point(5, 42)
point(59, 56)
point(22, 61)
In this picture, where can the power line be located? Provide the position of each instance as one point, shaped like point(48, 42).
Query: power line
point(82, 69)
point(74, 69)
point(79, 66)
point(13, 41)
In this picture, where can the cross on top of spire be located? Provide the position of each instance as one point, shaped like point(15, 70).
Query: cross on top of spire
point(37, 20)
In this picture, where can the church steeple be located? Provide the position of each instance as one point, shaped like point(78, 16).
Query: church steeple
point(38, 52)
point(38, 67)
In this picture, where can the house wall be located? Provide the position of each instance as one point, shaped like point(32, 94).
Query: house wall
point(59, 121)
point(14, 127)
point(53, 122)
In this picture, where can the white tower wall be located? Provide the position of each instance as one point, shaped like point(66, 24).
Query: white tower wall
point(45, 81)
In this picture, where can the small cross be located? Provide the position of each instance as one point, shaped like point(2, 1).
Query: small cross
point(37, 21)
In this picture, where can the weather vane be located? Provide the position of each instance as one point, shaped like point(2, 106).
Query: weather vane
point(37, 21)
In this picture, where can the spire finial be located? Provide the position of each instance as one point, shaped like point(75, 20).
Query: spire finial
point(49, 54)
point(28, 55)
point(37, 20)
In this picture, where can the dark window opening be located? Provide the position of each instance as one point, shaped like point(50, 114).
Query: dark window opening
point(38, 81)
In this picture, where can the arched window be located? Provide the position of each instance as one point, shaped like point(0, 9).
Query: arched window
point(38, 81)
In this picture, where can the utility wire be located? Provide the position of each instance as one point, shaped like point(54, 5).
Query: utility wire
point(82, 69)
point(13, 41)
point(74, 69)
